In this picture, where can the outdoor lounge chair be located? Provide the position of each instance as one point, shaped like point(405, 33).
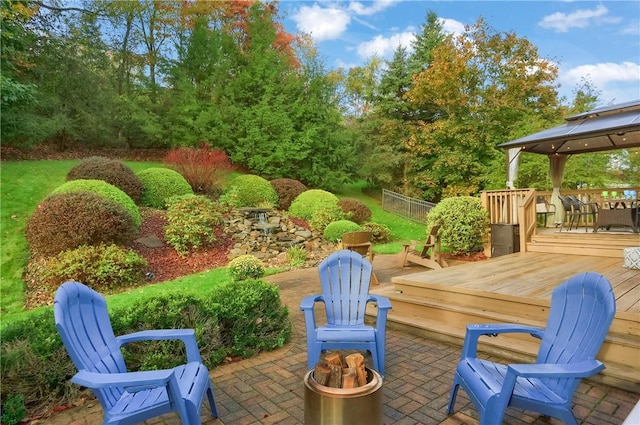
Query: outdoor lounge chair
point(544, 209)
point(344, 277)
point(582, 309)
point(427, 255)
point(360, 242)
point(83, 322)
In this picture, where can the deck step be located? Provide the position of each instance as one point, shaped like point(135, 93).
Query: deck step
point(597, 245)
point(445, 316)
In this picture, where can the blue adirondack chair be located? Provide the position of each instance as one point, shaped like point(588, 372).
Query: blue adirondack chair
point(127, 397)
point(345, 277)
point(582, 309)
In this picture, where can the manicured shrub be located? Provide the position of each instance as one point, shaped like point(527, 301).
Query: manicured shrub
point(252, 317)
point(310, 201)
point(322, 217)
point(234, 319)
point(358, 212)
point(251, 191)
point(160, 184)
point(204, 168)
point(34, 363)
point(246, 267)
point(69, 220)
point(105, 189)
point(380, 232)
point(287, 190)
point(335, 230)
point(464, 223)
point(13, 410)
point(177, 310)
point(111, 171)
point(101, 267)
point(191, 221)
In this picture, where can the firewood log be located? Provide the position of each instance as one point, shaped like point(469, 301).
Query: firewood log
point(349, 378)
point(321, 373)
point(335, 378)
point(334, 358)
point(356, 361)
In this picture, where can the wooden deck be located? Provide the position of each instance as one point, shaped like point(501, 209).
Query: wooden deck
point(517, 288)
point(535, 275)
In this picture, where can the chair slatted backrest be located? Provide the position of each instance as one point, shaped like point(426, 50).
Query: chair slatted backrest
point(432, 241)
point(582, 309)
point(83, 323)
point(345, 277)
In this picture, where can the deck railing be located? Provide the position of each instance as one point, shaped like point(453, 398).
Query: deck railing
point(512, 206)
point(518, 206)
point(406, 206)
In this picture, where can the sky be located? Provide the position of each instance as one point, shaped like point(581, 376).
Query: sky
point(596, 40)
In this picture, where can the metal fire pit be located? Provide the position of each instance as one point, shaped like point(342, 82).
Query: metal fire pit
point(336, 406)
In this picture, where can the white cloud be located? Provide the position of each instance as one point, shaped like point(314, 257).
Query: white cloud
point(375, 7)
point(581, 18)
point(322, 23)
point(603, 73)
point(384, 47)
point(617, 82)
point(631, 29)
point(451, 26)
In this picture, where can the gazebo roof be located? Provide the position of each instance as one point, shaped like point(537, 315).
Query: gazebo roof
point(605, 128)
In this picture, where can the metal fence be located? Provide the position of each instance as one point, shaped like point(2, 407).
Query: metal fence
point(405, 206)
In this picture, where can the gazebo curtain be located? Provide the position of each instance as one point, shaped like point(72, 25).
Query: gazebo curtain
point(557, 162)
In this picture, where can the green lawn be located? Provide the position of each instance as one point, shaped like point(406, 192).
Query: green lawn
point(24, 184)
point(403, 230)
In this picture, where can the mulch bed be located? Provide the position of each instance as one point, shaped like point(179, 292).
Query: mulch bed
point(165, 263)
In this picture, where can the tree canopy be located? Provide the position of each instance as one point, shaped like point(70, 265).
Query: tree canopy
point(149, 73)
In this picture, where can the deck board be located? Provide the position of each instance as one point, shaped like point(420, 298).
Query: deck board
point(536, 274)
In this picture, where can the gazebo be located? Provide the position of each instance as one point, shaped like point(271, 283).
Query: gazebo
point(605, 128)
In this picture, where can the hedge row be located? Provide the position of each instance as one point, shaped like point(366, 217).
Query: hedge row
point(236, 319)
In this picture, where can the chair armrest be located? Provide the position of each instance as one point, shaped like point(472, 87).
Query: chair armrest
point(187, 336)
point(474, 332)
point(143, 380)
point(581, 369)
point(382, 301)
point(307, 306)
point(309, 301)
point(384, 305)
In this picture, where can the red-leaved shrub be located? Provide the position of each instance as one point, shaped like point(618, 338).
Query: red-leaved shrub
point(287, 190)
point(203, 168)
point(69, 220)
point(359, 212)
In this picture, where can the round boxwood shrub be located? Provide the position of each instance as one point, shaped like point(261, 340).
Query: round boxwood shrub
point(251, 191)
point(310, 201)
point(160, 184)
point(287, 190)
point(359, 212)
point(379, 232)
point(246, 267)
point(69, 220)
point(334, 231)
point(464, 223)
point(111, 171)
point(100, 267)
point(321, 218)
point(103, 188)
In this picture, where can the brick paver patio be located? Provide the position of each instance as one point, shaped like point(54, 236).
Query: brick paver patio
point(268, 389)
